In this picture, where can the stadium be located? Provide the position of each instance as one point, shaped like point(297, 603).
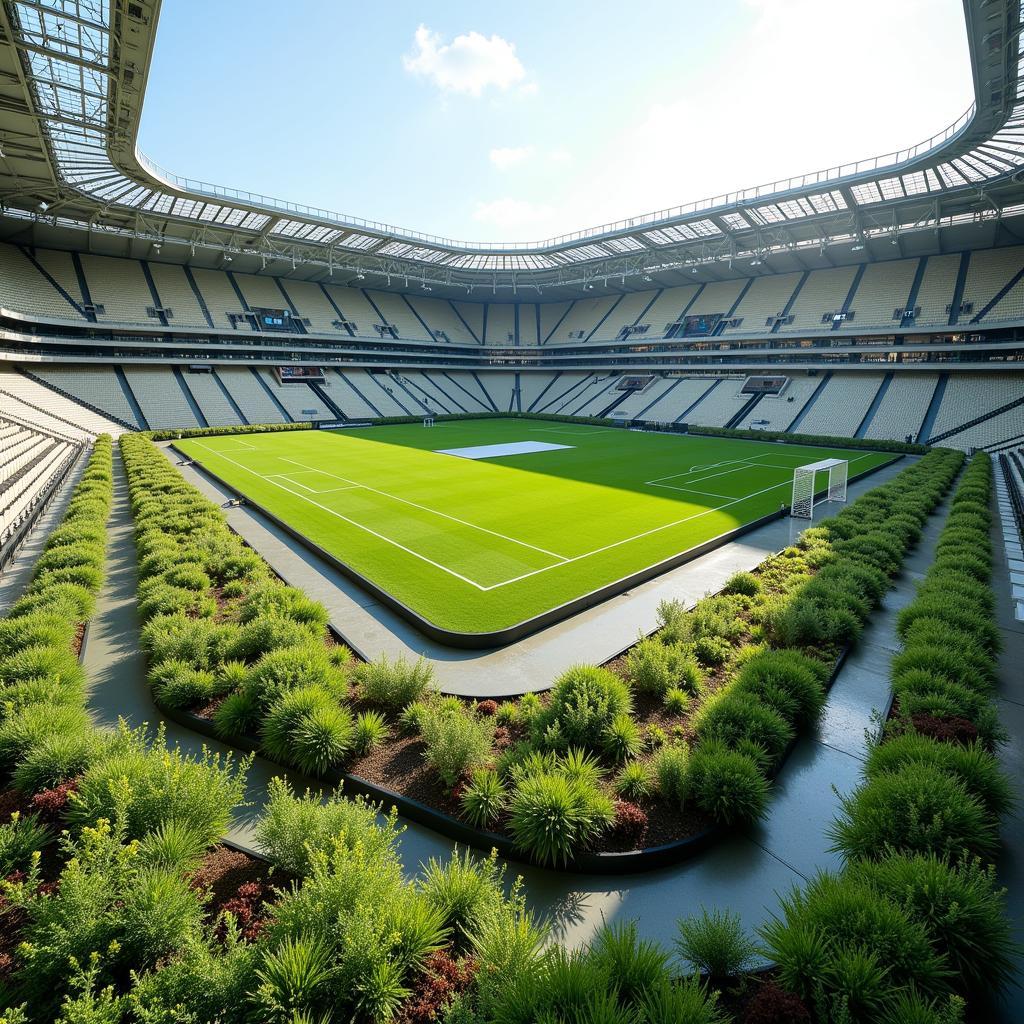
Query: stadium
point(624, 626)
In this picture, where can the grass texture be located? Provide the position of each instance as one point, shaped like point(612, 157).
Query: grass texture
point(475, 545)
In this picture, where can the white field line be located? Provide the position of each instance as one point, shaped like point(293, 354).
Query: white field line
point(647, 533)
point(351, 522)
point(294, 483)
point(525, 575)
point(738, 463)
point(432, 511)
point(693, 490)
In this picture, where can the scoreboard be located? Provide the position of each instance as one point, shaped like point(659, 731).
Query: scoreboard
point(700, 326)
point(273, 319)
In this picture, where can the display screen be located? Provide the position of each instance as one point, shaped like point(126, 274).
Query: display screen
point(700, 325)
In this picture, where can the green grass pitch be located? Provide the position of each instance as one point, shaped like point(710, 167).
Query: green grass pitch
point(480, 545)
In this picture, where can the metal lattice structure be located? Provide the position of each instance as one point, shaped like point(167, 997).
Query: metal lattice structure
point(802, 503)
point(72, 81)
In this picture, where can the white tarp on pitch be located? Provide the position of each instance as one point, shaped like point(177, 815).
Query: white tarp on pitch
point(495, 451)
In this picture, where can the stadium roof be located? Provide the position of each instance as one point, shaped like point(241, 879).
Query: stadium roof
point(72, 84)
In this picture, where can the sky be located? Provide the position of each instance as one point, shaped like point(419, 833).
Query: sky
point(521, 121)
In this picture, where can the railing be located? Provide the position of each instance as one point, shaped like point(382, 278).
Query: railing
point(823, 177)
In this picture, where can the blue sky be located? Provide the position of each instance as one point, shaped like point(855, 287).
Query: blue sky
point(520, 121)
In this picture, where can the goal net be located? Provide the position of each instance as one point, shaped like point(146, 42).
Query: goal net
point(802, 505)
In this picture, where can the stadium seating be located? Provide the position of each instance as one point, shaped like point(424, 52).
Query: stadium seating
point(309, 301)
point(667, 308)
point(355, 308)
point(215, 406)
point(766, 297)
point(97, 385)
point(221, 299)
point(720, 404)
point(529, 324)
point(176, 294)
point(987, 273)
point(161, 398)
point(298, 399)
point(581, 319)
point(776, 412)
point(500, 327)
point(936, 291)
point(623, 314)
point(968, 396)
point(29, 460)
point(35, 403)
point(903, 407)
point(842, 405)
point(120, 287)
point(824, 291)
point(716, 297)
point(399, 313)
point(440, 316)
point(23, 289)
point(884, 288)
point(249, 395)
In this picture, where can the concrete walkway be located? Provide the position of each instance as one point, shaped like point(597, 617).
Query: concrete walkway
point(594, 635)
point(745, 873)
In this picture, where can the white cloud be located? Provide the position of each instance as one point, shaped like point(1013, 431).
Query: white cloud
point(511, 214)
point(504, 157)
point(469, 64)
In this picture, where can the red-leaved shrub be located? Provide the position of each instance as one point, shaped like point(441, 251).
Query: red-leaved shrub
point(945, 728)
point(630, 822)
point(488, 708)
point(443, 978)
point(774, 1005)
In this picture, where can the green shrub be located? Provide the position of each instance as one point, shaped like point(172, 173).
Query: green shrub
point(918, 809)
point(238, 715)
point(734, 717)
point(290, 668)
point(672, 772)
point(176, 684)
point(295, 829)
point(307, 728)
point(742, 583)
point(20, 838)
point(785, 679)
point(56, 758)
point(57, 665)
point(942, 662)
point(166, 637)
point(456, 742)
point(37, 629)
point(712, 651)
point(676, 700)
point(552, 817)
point(960, 906)
point(584, 702)
point(975, 767)
point(633, 781)
point(649, 667)
point(727, 785)
point(284, 602)
point(839, 938)
point(622, 738)
point(262, 635)
point(394, 685)
point(157, 785)
point(633, 966)
point(29, 729)
point(715, 944)
point(674, 624)
point(483, 798)
point(370, 730)
point(467, 891)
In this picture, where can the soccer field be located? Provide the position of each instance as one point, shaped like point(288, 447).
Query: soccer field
point(482, 541)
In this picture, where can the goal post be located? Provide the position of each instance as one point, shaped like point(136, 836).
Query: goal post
point(428, 421)
point(802, 503)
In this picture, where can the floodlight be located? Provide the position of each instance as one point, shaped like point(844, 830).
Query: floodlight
point(647, 277)
point(857, 248)
point(693, 270)
point(158, 246)
point(360, 276)
point(43, 206)
point(228, 259)
point(756, 262)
